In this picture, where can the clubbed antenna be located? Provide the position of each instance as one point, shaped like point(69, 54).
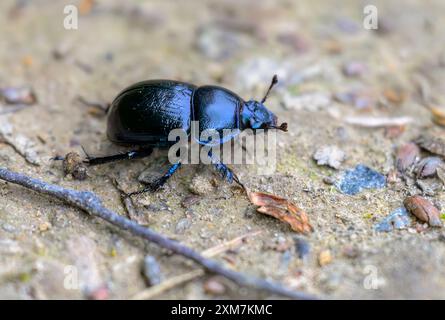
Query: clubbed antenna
point(274, 82)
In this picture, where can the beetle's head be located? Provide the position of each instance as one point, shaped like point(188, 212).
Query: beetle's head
point(255, 115)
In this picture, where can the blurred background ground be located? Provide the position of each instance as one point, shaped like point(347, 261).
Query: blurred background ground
point(330, 68)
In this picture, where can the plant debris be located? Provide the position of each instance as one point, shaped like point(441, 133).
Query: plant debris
point(361, 177)
point(432, 144)
point(329, 155)
point(74, 165)
point(21, 144)
point(375, 122)
point(310, 101)
point(18, 95)
point(407, 155)
point(424, 210)
point(90, 203)
point(398, 219)
point(427, 167)
point(281, 209)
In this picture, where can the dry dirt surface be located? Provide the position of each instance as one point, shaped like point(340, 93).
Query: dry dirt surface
point(337, 78)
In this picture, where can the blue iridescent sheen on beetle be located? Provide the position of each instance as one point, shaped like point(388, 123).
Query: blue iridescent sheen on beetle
point(143, 115)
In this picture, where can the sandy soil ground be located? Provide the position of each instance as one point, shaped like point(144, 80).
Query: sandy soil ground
point(319, 49)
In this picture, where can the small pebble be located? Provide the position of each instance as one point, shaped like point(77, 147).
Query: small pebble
point(8, 228)
point(398, 219)
point(20, 95)
point(329, 180)
point(354, 69)
point(302, 247)
point(152, 271)
point(190, 200)
point(331, 156)
point(45, 226)
point(350, 252)
point(361, 177)
point(324, 258)
point(214, 287)
point(427, 167)
point(182, 225)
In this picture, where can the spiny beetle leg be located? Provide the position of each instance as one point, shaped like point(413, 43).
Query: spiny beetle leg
point(155, 185)
point(129, 155)
point(225, 172)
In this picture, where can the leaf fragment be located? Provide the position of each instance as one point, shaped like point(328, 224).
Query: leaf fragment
point(281, 209)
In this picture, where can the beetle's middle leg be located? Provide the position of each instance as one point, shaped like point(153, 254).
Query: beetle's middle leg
point(133, 154)
point(225, 171)
point(155, 185)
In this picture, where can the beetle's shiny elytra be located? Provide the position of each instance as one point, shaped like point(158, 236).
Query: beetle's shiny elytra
point(143, 115)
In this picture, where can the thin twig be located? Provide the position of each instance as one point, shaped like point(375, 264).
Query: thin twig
point(228, 245)
point(91, 203)
point(127, 202)
point(189, 276)
point(168, 284)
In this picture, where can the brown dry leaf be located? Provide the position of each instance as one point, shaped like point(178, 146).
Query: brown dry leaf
point(424, 210)
point(281, 209)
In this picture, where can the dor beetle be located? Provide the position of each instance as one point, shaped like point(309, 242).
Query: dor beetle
point(143, 114)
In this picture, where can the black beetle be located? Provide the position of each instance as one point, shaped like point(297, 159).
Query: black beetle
point(143, 114)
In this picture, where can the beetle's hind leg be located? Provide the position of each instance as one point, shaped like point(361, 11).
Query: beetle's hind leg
point(155, 185)
point(129, 155)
